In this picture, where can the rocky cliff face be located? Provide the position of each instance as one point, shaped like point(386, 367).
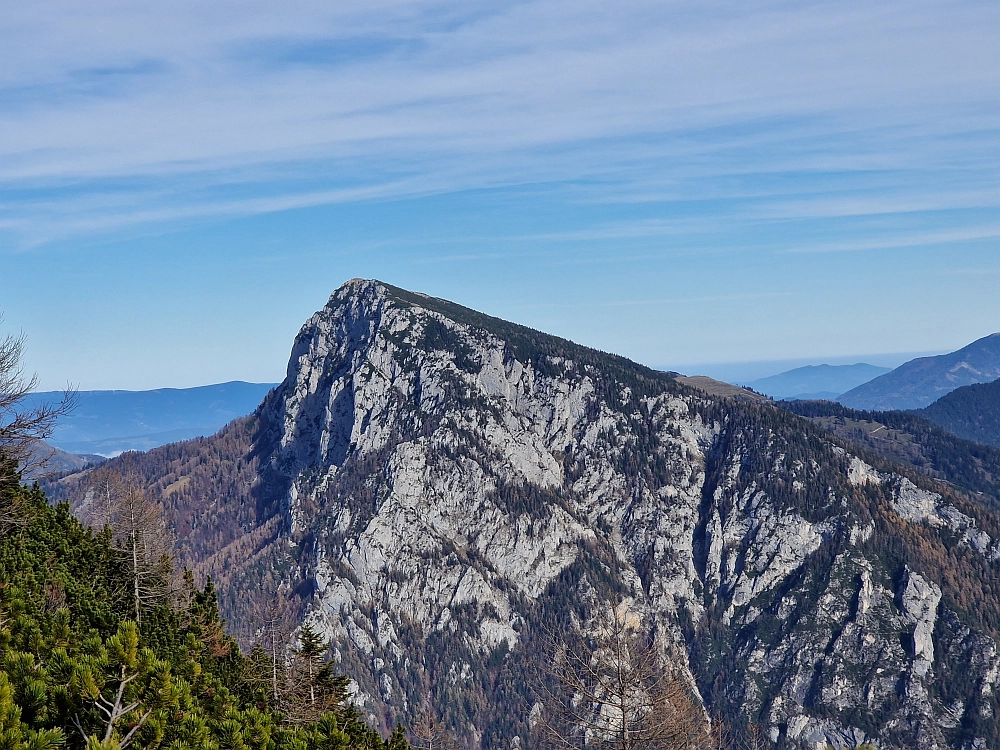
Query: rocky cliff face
point(439, 487)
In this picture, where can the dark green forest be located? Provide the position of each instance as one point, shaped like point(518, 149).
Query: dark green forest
point(79, 671)
point(971, 412)
point(909, 439)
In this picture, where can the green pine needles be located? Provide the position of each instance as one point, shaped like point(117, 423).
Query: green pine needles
point(78, 671)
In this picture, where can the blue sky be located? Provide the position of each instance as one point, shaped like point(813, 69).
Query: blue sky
point(182, 184)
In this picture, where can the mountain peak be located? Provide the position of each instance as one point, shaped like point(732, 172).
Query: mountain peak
point(922, 381)
point(369, 299)
point(440, 490)
point(359, 289)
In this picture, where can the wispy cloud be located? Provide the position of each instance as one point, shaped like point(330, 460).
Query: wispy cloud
point(111, 113)
point(922, 239)
point(626, 303)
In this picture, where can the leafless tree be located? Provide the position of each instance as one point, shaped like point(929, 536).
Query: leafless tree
point(429, 733)
point(749, 737)
point(12, 513)
point(269, 638)
point(291, 659)
point(610, 689)
point(101, 491)
point(22, 428)
point(139, 533)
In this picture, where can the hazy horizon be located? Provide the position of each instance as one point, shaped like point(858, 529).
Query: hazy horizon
point(732, 372)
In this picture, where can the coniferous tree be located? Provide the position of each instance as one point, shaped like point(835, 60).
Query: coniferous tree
point(77, 670)
point(312, 688)
point(82, 665)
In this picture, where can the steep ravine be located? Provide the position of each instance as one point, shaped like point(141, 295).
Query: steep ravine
point(439, 487)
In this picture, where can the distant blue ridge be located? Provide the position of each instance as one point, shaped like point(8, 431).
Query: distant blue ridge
point(111, 422)
point(817, 381)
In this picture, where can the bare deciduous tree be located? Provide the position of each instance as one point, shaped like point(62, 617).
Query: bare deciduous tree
point(269, 638)
point(748, 737)
point(429, 733)
point(23, 427)
point(139, 533)
point(12, 513)
point(611, 689)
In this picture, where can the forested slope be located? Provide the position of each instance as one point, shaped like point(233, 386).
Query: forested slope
point(76, 668)
point(910, 439)
point(222, 503)
point(971, 412)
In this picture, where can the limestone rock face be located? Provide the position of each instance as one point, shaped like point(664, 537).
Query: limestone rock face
point(444, 488)
point(455, 480)
point(919, 603)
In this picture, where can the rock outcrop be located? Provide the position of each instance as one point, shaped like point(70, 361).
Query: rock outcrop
point(440, 488)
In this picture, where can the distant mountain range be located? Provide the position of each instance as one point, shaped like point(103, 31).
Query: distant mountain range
point(916, 384)
point(112, 422)
point(920, 382)
point(817, 381)
point(47, 460)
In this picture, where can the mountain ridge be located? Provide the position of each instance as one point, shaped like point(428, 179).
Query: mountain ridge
point(909, 438)
point(920, 382)
point(436, 496)
point(971, 412)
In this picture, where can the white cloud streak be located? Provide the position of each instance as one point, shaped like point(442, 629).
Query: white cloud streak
point(923, 239)
point(117, 113)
